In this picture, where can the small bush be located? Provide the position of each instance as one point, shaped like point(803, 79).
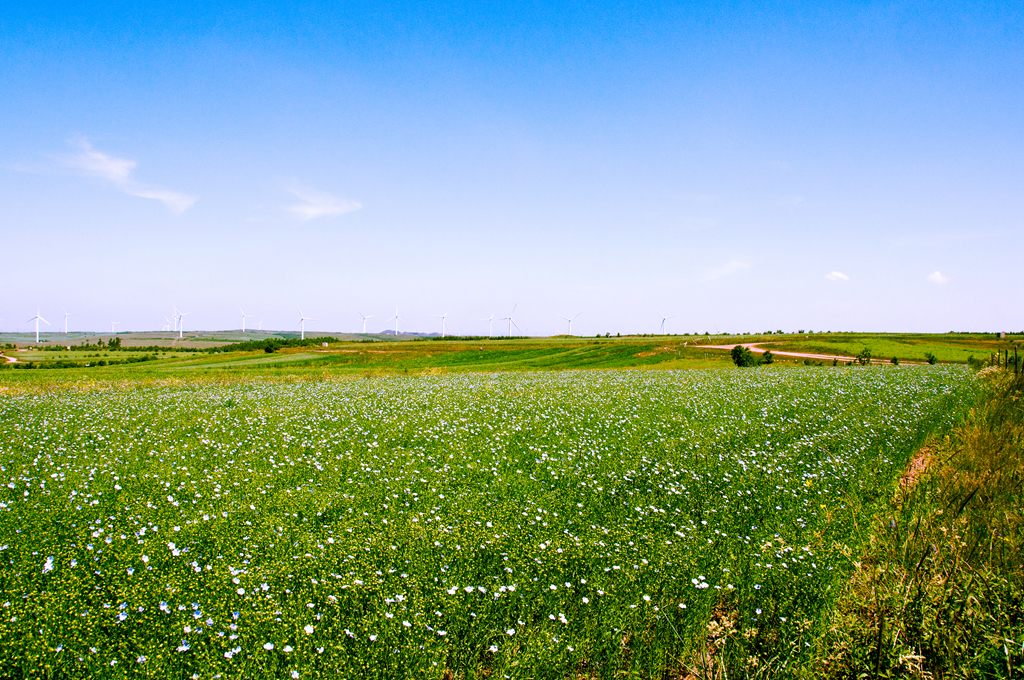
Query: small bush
point(864, 358)
point(895, 361)
point(931, 358)
point(743, 357)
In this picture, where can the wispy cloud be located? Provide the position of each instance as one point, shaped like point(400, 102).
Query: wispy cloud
point(837, 276)
point(938, 277)
point(118, 171)
point(728, 269)
point(319, 204)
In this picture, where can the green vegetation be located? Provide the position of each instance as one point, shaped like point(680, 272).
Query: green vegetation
point(940, 590)
point(521, 524)
point(295, 357)
point(947, 347)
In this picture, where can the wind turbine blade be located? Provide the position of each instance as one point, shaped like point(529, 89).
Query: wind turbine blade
point(515, 324)
point(514, 310)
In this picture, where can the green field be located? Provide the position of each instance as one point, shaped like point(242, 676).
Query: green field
point(948, 347)
point(369, 358)
point(160, 355)
point(472, 524)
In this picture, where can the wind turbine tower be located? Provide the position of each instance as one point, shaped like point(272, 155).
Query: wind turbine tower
point(37, 319)
point(112, 324)
point(490, 325)
point(569, 319)
point(302, 324)
point(66, 315)
point(243, 317)
point(364, 317)
point(511, 321)
point(663, 320)
point(442, 317)
point(397, 319)
point(181, 322)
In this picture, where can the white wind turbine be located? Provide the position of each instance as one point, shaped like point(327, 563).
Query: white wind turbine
point(442, 317)
point(663, 320)
point(397, 319)
point(66, 315)
point(37, 319)
point(175, 316)
point(112, 324)
point(511, 321)
point(302, 324)
point(181, 322)
point(243, 318)
point(569, 319)
point(261, 324)
point(490, 325)
point(364, 317)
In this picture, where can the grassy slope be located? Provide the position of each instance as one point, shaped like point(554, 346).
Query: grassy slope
point(940, 590)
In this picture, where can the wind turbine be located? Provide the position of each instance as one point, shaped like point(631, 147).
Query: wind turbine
point(37, 319)
point(181, 322)
point(66, 315)
point(364, 320)
point(663, 320)
point(490, 324)
point(511, 321)
point(243, 318)
point(569, 319)
point(442, 316)
point(261, 324)
point(112, 324)
point(397, 319)
point(302, 324)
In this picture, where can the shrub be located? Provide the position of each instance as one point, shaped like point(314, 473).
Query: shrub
point(743, 357)
point(864, 358)
point(767, 357)
point(931, 358)
point(895, 361)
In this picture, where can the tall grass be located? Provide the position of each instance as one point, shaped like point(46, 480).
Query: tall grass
point(939, 592)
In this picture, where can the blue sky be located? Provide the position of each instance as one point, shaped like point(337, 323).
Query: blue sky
point(854, 166)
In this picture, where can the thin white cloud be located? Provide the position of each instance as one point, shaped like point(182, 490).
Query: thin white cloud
point(319, 204)
point(728, 269)
point(118, 171)
point(938, 277)
point(837, 276)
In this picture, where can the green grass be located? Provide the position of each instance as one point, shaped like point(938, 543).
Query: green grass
point(947, 347)
point(939, 590)
point(405, 357)
point(478, 524)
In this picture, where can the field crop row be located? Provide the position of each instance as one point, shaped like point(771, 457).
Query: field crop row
point(525, 525)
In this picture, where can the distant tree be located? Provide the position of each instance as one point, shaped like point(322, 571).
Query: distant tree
point(743, 357)
point(767, 357)
point(895, 361)
point(931, 358)
point(864, 358)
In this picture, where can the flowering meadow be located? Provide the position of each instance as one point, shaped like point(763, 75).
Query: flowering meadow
point(572, 524)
